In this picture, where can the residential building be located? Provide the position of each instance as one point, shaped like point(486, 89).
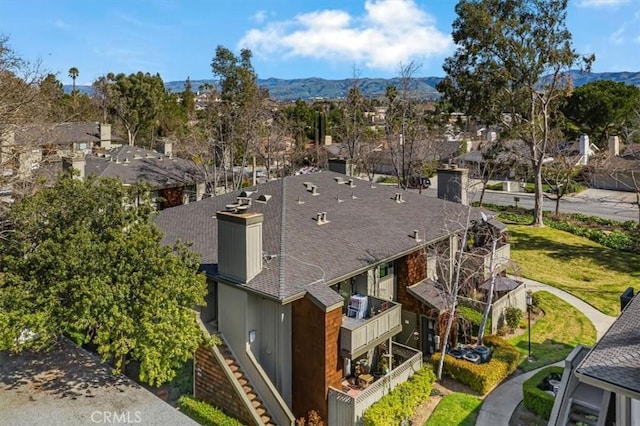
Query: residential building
point(324, 289)
point(620, 170)
point(601, 385)
point(173, 181)
point(23, 149)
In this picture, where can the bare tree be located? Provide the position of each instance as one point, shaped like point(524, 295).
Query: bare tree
point(408, 128)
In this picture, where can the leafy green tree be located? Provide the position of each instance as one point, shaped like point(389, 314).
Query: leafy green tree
point(134, 100)
point(74, 73)
point(601, 108)
point(85, 260)
point(188, 99)
point(510, 67)
point(241, 109)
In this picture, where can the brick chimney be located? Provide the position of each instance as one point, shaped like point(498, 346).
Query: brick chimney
point(239, 245)
point(453, 184)
point(614, 146)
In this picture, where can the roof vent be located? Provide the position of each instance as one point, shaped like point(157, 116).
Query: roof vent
point(307, 185)
point(338, 198)
point(416, 236)
point(245, 194)
point(339, 180)
point(321, 218)
point(244, 201)
point(352, 183)
point(263, 198)
point(398, 197)
point(353, 196)
point(313, 189)
point(300, 201)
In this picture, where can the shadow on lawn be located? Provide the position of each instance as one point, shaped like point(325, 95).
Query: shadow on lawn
point(547, 352)
point(599, 255)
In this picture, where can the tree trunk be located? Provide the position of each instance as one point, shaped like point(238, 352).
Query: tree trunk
point(454, 295)
point(537, 208)
point(487, 309)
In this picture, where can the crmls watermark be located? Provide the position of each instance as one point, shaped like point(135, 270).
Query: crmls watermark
point(116, 417)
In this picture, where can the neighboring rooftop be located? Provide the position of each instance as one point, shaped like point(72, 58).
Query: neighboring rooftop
point(364, 225)
point(130, 164)
point(68, 386)
point(55, 133)
point(615, 359)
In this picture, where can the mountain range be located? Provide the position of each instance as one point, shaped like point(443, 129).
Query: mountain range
point(319, 88)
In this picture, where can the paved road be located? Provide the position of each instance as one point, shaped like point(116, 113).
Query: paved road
point(499, 405)
point(616, 205)
point(606, 207)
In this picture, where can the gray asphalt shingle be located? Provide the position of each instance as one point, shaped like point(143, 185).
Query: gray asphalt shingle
point(365, 226)
point(615, 359)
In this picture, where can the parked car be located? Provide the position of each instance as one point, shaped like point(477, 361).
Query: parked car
point(419, 182)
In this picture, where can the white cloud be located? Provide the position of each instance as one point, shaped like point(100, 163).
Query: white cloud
point(389, 33)
point(59, 23)
point(601, 3)
point(617, 37)
point(259, 17)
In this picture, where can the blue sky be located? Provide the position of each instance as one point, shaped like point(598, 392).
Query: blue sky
point(289, 38)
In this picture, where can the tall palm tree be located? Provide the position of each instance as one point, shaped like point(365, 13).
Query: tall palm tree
point(73, 73)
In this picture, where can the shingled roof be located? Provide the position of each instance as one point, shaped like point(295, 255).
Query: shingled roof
point(57, 133)
point(365, 226)
point(615, 360)
point(130, 164)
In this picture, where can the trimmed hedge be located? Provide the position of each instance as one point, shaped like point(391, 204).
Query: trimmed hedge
point(401, 403)
point(204, 413)
point(482, 377)
point(536, 400)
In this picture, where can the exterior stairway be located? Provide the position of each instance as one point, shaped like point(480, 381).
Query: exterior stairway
point(580, 414)
point(256, 403)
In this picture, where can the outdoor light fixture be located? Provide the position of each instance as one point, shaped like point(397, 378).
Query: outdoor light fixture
point(252, 336)
point(529, 303)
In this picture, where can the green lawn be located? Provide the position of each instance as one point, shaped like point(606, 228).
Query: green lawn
point(595, 274)
point(555, 334)
point(456, 409)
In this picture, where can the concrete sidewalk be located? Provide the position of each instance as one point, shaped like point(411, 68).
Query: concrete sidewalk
point(499, 405)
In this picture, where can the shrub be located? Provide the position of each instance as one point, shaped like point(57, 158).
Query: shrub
point(401, 403)
point(204, 413)
point(512, 316)
point(536, 400)
point(313, 419)
point(482, 377)
point(474, 317)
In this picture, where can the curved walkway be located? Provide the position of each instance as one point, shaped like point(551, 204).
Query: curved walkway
point(500, 404)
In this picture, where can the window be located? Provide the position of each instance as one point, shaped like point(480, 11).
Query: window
point(385, 269)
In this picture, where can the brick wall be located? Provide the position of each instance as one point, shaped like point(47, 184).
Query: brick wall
point(213, 386)
point(315, 360)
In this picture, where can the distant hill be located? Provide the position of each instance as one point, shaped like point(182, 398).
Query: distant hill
point(319, 88)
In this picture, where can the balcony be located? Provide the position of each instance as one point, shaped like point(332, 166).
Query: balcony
point(357, 336)
point(346, 406)
point(480, 259)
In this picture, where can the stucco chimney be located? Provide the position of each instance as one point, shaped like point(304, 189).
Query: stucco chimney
point(239, 245)
point(105, 136)
point(585, 150)
point(614, 145)
point(76, 162)
point(453, 184)
point(166, 147)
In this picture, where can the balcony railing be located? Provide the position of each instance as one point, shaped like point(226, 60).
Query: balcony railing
point(345, 409)
point(481, 258)
point(359, 335)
